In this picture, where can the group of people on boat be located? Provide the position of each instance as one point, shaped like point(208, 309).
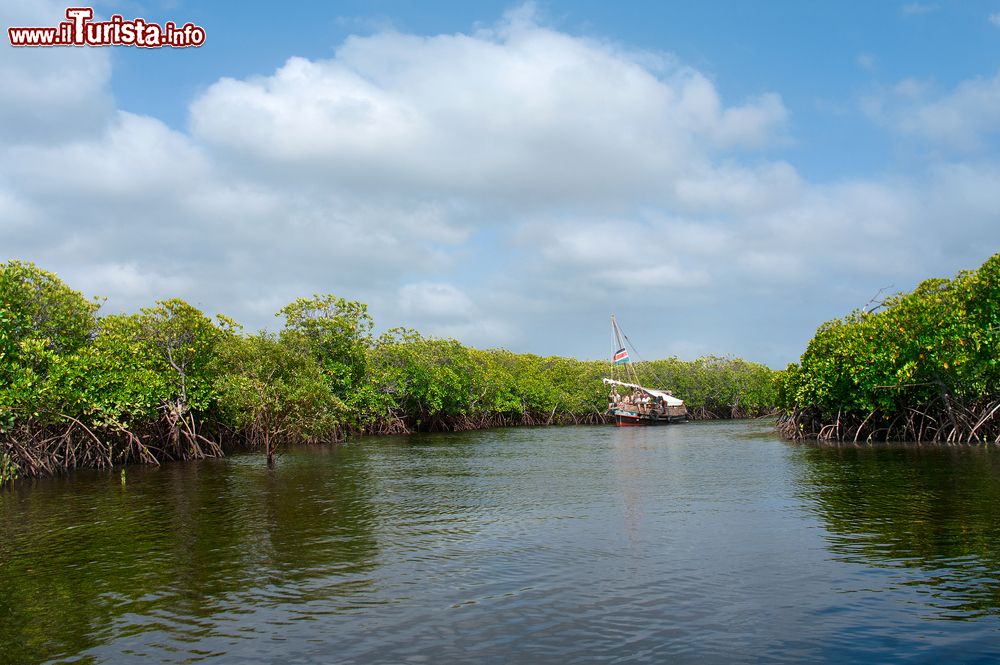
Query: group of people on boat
point(637, 400)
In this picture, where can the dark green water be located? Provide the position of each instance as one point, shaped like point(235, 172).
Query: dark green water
point(699, 542)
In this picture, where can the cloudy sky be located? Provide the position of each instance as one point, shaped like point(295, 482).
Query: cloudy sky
point(724, 177)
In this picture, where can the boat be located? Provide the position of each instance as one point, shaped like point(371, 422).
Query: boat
point(630, 403)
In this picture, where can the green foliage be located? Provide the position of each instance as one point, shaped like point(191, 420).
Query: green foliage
point(134, 367)
point(41, 322)
point(119, 378)
point(272, 388)
point(78, 389)
point(182, 342)
point(721, 386)
point(37, 305)
point(941, 340)
point(431, 380)
point(337, 332)
point(424, 380)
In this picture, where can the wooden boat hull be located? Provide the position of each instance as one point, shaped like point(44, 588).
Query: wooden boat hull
point(634, 419)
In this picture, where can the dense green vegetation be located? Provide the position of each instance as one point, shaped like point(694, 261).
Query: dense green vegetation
point(78, 389)
point(924, 366)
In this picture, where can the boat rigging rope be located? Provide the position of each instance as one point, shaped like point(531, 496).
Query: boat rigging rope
point(656, 375)
point(627, 340)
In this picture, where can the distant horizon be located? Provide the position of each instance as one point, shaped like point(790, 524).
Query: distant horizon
point(724, 178)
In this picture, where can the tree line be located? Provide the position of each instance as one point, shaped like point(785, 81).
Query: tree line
point(78, 389)
point(920, 366)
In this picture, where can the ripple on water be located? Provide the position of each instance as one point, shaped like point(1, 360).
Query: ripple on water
point(704, 542)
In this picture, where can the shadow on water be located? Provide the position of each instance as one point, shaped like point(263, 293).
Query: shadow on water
point(177, 549)
point(930, 512)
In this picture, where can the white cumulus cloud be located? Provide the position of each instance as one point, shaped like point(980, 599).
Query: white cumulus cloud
point(510, 185)
point(518, 110)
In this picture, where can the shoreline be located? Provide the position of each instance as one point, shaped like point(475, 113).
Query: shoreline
point(227, 449)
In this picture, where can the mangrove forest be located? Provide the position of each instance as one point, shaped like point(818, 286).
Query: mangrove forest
point(920, 366)
point(78, 389)
point(81, 389)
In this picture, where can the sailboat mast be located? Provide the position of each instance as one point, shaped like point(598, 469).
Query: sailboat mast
point(629, 371)
point(619, 343)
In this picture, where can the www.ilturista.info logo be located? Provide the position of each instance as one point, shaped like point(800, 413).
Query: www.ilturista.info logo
point(81, 30)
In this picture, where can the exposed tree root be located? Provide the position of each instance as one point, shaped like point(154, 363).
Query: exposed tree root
point(944, 420)
point(33, 449)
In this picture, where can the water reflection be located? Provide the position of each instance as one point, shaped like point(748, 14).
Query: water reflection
point(178, 551)
point(930, 513)
point(705, 542)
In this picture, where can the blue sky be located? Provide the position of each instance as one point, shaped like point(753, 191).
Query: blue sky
point(724, 176)
point(821, 56)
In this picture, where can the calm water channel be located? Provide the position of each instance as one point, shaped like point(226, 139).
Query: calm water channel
point(702, 542)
